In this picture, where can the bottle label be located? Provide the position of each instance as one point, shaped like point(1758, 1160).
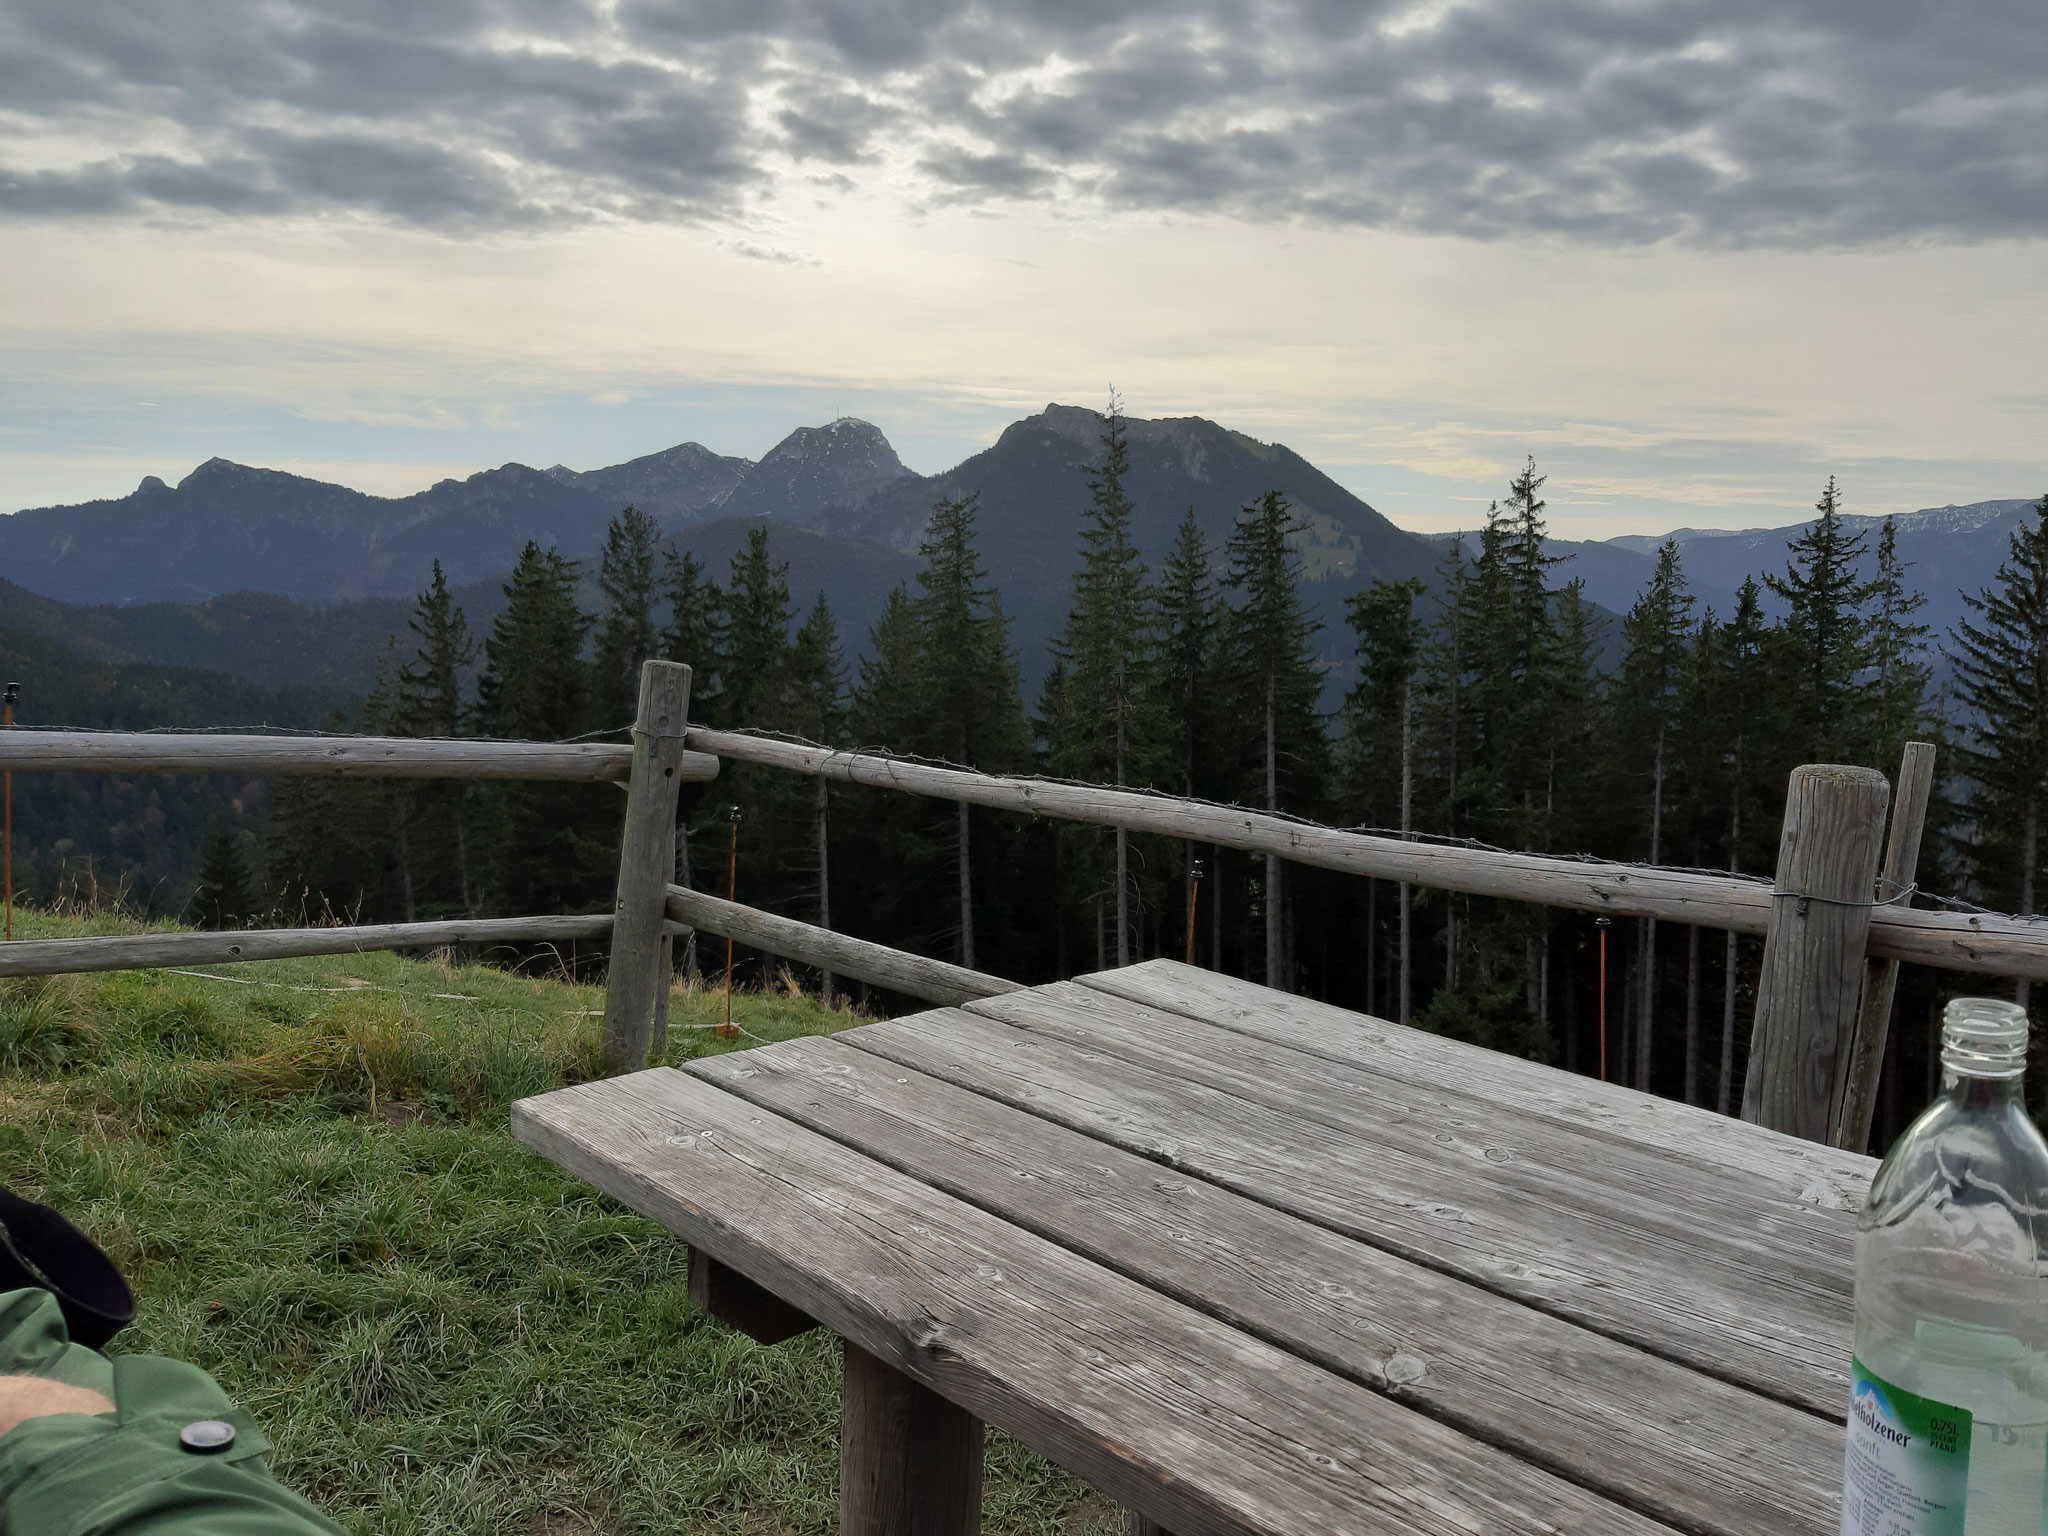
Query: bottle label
point(1909, 1461)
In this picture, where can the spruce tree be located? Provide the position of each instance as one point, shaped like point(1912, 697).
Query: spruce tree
point(1191, 664)
point(1898, 647)
point(973, 711)
point(889, 698)
point(1380, 736)
point(1656, 638)
point(430, 684)
point(1192, 682)
point(225, 896)
point(817, 712)
point(753, 637)
point(691, 634)
point(430, 703)
point(627, 582)
point(888, 841)
point(1274, 663)
point(1110, 730)
point(1827, 635)
point(2001, 666)
point(536, 687)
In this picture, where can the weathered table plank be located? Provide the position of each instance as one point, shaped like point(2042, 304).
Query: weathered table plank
point(1694, 1304)
point(1811, 1172)
point(1204, 1428)
point(1697, 1452)
point(1554, 1166)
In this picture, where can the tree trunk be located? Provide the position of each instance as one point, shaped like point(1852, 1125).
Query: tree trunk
point(405, 870)
point(1571, 1015)
point(1216, 909)
point(1123, 837)
point(1275, 967)
point(828, 984)
point(1123, 897)
point(1730, 978)
point(1407, 809)
point(1450, 941)
point(687, 880)
point(1692, 1014)
point(1730, 986)
point(2030, 852)
point(1059, 905)
point(966, 891)
point(1372, 944)
point(462, 852)
point(1646, 1027)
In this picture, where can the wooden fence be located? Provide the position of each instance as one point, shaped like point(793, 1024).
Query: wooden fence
point(1831, 947)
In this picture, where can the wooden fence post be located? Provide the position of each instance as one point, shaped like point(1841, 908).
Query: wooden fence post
point(646, 864)
point(1812, 973)
point(1881, 977)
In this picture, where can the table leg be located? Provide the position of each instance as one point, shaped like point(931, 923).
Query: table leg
point(909, 1461)
point(1137, 1525)
point(732, 1298)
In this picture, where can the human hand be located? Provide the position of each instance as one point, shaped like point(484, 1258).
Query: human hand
point(31, 1397)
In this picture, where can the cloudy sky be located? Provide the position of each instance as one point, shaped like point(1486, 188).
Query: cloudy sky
point(1693, 255)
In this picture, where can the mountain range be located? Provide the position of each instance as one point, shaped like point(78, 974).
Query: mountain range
point(285, 580)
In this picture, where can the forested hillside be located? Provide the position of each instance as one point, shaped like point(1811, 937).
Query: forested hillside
point(137, 838)
point(1481, 711)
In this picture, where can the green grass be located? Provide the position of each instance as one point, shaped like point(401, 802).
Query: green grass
point(311, 1186)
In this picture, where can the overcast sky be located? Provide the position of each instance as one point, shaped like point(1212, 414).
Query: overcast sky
point(1693, 256)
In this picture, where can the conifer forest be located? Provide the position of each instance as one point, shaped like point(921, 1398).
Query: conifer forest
point(1491, 704)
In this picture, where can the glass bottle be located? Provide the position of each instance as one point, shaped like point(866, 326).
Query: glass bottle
point(1948, 1423)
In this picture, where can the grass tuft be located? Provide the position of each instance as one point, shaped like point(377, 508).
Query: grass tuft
point(310, 1183)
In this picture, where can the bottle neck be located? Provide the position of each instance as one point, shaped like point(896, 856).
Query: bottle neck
point(1980, 1093)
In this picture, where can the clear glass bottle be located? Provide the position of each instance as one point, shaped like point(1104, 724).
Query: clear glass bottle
point(1948, 1423)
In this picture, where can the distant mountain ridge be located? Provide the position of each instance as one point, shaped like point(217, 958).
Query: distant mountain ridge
point(282, 579)
point(1949, 552)
point(839, 502)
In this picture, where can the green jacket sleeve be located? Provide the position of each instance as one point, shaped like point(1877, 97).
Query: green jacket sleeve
point(126, 1473)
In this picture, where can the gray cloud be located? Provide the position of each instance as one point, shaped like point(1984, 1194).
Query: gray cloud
point(1701, 122)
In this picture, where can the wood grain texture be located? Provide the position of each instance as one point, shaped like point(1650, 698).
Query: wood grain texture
point(146, 951)
point(933, 980)
point(1643, 1431)
point(737, 1302)
point(909, 1461)
point(1811, 979)
point(1881, 977)
point(368, 757)
point(1985, 943)
point(1540, 1163)
point(1783, 1335)
point(647, 863)
point(1803, 1170)
point(1204, 1428)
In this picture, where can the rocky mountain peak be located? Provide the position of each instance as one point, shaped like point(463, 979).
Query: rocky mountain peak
point(840, 464)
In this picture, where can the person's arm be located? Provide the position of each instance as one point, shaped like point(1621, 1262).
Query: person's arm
point(31, 1397)
point(136, 1445)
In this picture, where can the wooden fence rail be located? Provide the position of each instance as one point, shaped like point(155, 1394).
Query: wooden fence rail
point(1986, 943)
point(367, 757)
point(1812, 1075)
point(145, 951)
point(933, 980)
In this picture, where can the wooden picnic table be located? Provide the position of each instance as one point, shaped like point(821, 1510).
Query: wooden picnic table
point(1250, 1263)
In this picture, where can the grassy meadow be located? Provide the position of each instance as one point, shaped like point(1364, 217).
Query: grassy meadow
point(305, 1172)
